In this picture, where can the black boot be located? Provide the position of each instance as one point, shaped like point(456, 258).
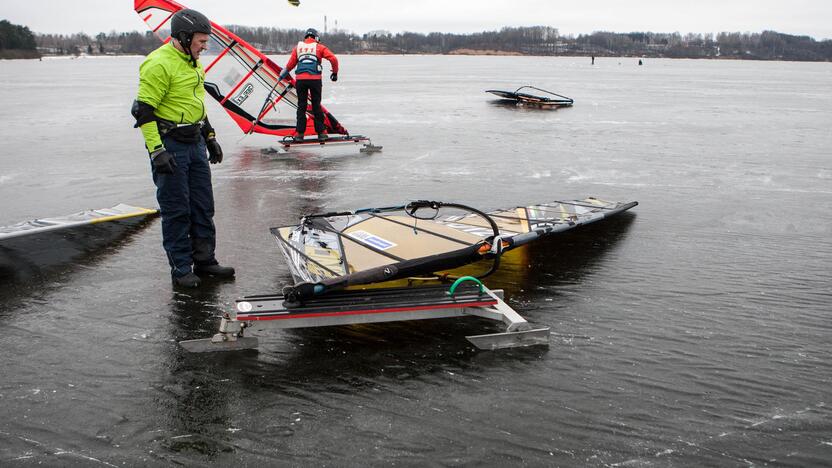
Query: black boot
point(188, 280)
point(217, 271)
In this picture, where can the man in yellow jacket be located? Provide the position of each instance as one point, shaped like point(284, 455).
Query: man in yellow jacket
point(170, 110)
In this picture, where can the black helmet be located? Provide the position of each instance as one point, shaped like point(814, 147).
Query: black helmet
point(184, 24)
point(311, 32)
point(188, 22)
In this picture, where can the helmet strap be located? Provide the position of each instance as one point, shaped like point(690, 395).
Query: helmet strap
point(185, 40)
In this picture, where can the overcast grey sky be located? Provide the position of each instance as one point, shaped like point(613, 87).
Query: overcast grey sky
point(809, 17)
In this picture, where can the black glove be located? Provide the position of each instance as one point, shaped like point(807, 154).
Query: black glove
point(163, 162)
point(214, 151)
point(333, 76)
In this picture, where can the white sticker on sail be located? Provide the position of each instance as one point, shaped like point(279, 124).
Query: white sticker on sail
point(372, 240)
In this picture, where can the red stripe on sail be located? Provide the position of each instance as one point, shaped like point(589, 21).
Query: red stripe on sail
point(225, 51)
point(260, 117)
point(245, 125)
point(270, 106)
point(236, 87)
point(163, 22)
point(265, 111)
point(244, 317)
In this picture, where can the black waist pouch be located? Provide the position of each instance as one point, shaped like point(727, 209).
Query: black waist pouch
point(183, 134)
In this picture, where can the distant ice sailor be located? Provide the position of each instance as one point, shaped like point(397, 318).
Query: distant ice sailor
point(308, 55)
point(170, 110)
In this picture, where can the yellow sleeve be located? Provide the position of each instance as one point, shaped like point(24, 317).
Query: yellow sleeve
point(153, 86)
point(152, 139)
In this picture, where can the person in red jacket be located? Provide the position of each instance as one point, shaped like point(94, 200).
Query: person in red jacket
point(308, 55)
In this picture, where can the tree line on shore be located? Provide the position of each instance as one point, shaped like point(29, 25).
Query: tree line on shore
point(533, 40)
point(16, 41)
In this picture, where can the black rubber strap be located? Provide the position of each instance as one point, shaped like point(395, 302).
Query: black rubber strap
point(143, 113)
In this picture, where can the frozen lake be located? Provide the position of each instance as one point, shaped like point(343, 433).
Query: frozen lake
point(694, 331)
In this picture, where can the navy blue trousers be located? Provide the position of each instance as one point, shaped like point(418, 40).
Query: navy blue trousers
point(186, 202)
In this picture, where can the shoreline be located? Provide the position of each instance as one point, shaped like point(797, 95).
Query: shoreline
point(21, 55)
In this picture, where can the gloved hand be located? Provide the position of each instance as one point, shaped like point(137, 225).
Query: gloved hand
point(163, 162)
point(214, 150)
point(333, 77)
